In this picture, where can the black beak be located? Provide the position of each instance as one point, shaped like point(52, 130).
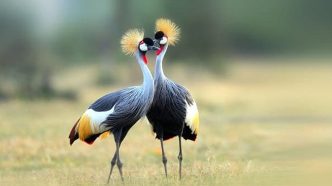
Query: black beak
point(155, 45)
point(156, 42)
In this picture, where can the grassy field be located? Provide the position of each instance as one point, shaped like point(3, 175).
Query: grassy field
point(261, 124)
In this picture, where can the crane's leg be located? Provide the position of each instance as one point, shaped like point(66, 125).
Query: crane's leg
point(180, 153)
point(116, 158)
point(164, 159)
point(112, 165)
point(118, 162)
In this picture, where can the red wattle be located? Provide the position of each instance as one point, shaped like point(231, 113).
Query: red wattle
point(160, 50)
point(145, 59)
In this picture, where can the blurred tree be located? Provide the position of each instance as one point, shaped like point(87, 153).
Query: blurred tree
point(25, 71)
point(210, 28)
point(202, 31)
point(118, 19)
point(18, 53)
point(73, 32)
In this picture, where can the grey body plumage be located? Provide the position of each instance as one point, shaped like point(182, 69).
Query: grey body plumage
point(130, 104)
point(173, 110)
point(168, 110)
point(167, 114)
point(118, 111)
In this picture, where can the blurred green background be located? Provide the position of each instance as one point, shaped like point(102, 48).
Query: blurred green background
point(260, 72)
point(38, 37)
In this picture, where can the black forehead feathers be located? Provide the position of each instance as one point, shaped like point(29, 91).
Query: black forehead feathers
point(159, 35)
point(148, 41)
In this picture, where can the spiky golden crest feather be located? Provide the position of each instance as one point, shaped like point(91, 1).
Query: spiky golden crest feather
point(170, 29)
point(130, 41)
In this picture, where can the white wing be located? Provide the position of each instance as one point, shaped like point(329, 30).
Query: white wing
point(192, 117)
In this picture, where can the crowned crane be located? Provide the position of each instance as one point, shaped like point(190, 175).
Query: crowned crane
point(173, 111)
point(118, 111)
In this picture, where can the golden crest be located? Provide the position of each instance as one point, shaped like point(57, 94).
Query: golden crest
point(170, 29)
point(130, 41)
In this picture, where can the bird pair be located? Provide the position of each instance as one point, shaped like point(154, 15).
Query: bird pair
point(168, 106)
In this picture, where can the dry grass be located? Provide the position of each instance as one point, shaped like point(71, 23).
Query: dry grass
point(260, 125)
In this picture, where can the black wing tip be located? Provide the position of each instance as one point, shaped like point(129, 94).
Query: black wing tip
point(188, 134)
point(72, 140)
point(91, 139)
point(194, 138)
point(73, 135)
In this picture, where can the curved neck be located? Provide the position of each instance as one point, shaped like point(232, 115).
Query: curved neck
point(158, 72)
point(147, 76)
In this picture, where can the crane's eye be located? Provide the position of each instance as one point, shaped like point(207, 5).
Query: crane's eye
point(163, 40)
point(143, 47)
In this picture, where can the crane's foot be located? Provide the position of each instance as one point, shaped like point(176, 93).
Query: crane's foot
point(111, 170)
point(180, 156)
point(180, 166)
point(165, 165)
point(120, 164)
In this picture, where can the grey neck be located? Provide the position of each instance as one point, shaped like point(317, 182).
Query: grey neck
point(158, 72)
point(148, 83)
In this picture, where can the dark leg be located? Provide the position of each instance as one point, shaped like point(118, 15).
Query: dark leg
point(164, 159)
point(116, 158)
point(118, 162)
point(180, 154)
point(112, 165)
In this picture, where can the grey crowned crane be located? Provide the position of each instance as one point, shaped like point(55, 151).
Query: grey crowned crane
point(118, 111)
point(173, 111)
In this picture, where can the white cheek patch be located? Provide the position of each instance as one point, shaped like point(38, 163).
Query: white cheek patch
point(143, 47)
point(163, 41)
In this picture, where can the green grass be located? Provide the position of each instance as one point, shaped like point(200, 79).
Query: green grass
point(262, 124)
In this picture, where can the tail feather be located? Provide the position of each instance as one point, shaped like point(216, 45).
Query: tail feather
point(74, 135)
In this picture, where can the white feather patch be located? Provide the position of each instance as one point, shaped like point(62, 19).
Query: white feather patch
point(192, 116)
point(96, 118)
point(163, 40)
point(143, 47)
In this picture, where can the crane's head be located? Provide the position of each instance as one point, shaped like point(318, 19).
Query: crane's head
point(132, 42)
point(167, 32)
